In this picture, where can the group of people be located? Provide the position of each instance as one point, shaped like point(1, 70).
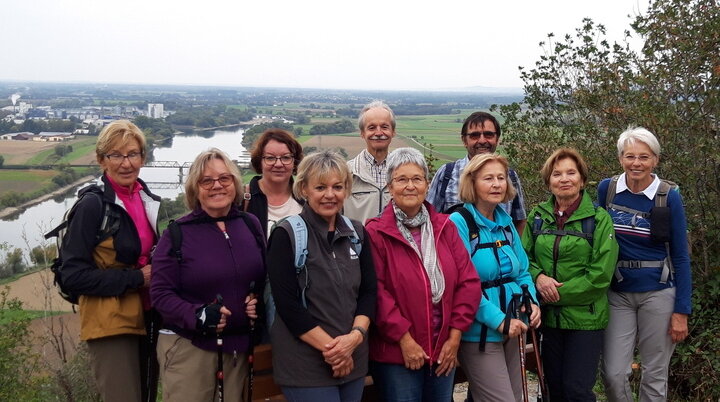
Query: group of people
point(367, 266)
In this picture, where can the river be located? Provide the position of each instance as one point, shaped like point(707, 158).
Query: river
point(26, 230)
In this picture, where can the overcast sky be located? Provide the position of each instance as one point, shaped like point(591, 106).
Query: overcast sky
point(367, 44)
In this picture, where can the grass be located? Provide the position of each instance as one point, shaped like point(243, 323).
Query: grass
point(16, 315)
point(40, 157)
point(23, 181)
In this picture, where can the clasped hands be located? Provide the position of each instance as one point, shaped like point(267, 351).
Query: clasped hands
point(338, 353)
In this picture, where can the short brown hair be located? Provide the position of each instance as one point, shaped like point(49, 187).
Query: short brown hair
point(319, 165)
point(280, 136)
point(192, 187)
point(557, 156)
point(118, 133)
point(467, 177)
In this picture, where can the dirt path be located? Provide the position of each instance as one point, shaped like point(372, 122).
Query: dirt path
point(37, 292)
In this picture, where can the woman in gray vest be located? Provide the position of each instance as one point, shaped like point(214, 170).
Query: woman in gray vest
point(650, 293)
point(324, 306)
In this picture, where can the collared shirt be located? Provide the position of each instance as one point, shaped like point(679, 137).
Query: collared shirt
point(649, 191)
point(377, 170)
point(515, 207)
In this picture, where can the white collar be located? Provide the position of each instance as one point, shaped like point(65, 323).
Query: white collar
point(649, 191)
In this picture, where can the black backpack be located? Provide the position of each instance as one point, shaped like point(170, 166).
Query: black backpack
point(109, 225)
point(474, 233)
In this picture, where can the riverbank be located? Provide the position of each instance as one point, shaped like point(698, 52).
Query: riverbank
point(13, 210)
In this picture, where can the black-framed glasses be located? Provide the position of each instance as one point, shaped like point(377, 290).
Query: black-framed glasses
point(117, 158)
point(475, 135)
point(208, 182)
point(271, 160)
point(404, 181)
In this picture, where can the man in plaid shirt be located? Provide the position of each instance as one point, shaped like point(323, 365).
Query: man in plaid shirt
point(369, 169)
point(480, 134)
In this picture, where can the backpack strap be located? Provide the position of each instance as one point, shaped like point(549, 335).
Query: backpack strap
point(587, 224)
point(612, 188)
point(668, 270)
point(473, 230)
point(355, 238)
point(175, 240)
point(300, 235)
point(246, 198)
point(439, 201)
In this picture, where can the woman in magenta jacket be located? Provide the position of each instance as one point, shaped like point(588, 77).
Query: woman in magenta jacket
point(428, 289)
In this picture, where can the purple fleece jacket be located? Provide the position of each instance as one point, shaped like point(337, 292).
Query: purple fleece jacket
point(211, 265)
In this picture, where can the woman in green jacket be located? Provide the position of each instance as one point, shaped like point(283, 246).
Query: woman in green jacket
point(572, 250)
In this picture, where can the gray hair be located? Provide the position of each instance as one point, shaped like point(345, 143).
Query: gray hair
point(633, 134)
point(375, 104)
point(319, 165)
point(402, 156)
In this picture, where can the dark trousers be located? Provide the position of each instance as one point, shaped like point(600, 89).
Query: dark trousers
point(570, 359)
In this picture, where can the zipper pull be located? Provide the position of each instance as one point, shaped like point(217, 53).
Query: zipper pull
point(235, 358)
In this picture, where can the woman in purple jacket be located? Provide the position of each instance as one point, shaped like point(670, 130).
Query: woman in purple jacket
point(428, 290)
point(221, 253)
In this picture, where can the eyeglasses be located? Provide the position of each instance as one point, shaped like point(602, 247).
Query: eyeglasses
point(208, 182)
point(475, 135)
point(641, 158)
point(404, 181)
point(117, 159)
point(271, 160)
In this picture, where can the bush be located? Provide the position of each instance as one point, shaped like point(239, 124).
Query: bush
point(17, 362)
point(12, 264)
point(695, 366)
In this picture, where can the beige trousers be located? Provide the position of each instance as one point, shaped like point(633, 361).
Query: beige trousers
point(494, 375)
point(187, 373)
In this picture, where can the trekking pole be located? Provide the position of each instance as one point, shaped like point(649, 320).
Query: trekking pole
point(516, 297)
point(219, 375)
point(542, 385)
point(251, 351)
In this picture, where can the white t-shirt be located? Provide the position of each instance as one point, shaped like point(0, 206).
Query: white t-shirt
point(277, 212)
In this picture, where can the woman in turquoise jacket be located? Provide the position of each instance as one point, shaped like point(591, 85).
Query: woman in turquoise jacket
point(572, 250)
point(489, 352)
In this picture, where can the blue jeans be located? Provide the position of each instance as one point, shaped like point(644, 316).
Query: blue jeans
point(349, 392)
point(399, 384)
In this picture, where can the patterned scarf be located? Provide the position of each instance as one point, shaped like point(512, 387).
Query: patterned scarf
point(428, 254)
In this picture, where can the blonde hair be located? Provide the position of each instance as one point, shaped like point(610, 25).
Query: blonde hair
point(117, 134)
point(320, 165)
point(192, 187)
point(467, 177)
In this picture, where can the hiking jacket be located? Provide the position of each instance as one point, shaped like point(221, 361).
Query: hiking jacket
point(404, 293)
point(105, 275)
point(584, 270)
point(258, 204)
point(366, 199)
point(212, 264)
point(341, 286)
point(514, 265)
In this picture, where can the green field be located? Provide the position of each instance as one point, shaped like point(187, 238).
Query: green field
point(22, 181)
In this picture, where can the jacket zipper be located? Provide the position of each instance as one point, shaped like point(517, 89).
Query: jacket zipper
point(235, 264)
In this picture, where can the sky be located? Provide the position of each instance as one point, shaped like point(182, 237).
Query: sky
point(369, 44)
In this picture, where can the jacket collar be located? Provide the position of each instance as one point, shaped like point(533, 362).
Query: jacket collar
point(585, 209)
point(387, 224)
point(320, 225)
point(502, 218)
